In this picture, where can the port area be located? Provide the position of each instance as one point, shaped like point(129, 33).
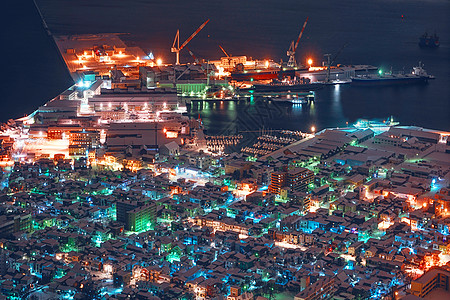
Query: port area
point(98, 52)
point(124, 68)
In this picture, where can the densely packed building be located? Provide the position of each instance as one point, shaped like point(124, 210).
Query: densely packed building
point(344, 214)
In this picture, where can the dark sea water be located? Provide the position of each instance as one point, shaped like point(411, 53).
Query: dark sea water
point(383, 33)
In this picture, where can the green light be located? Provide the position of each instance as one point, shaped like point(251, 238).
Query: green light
point(251, 79)
point(380, 71)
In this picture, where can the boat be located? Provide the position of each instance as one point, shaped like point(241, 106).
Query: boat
point(288, 86)
point(293, 99)
point(429, 41)
point(417, 76)
point(261, 74)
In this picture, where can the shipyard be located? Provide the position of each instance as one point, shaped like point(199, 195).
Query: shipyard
point(193, 174)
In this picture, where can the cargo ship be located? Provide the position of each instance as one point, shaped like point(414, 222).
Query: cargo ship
point(429, 41)
point(282, 86)
point(241, 74)
point(417, 76)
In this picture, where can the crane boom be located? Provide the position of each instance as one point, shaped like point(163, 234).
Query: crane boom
point(223, 50)
point(193, 35)
point(330, 62)
point(301, 33)
point(176, 40)
point(193, 56)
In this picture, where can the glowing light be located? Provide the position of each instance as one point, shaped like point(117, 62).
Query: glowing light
point(266, 63)
point(310, 62)
point(380, 72)
point(317, 68)
point(313, 129)
point(171, 134)
point(159, 61)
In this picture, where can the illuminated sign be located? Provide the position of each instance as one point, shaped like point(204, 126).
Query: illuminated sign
point(171, 134)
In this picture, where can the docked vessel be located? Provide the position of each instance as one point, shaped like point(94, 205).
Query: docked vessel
point(241, 74)
point(417, 76)
point(429, 41)
point(283, 86)
point(289, 99)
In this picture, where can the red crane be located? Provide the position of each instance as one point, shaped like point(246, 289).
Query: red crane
point(176, 42)
point(291, 52)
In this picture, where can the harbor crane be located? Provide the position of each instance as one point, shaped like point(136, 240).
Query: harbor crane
point(176, 48)
point(331, 61)
point(291, 52)
point(196, 60)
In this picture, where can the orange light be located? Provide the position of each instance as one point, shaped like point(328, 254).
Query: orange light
point(164, 130)
point(159, 61)
point(266, 63)
point(171, 134)
point(310, 62)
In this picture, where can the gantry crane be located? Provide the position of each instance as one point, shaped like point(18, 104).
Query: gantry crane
point(291, 52)
point(176, 42)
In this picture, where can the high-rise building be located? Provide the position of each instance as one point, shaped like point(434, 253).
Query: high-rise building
point(277, 182)
point(142, 218)
point(136, 216)
point(296, 179)
point(299, 178)
point(435, 278)
point(13, 224)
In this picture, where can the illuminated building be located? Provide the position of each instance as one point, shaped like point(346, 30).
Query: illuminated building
point(13, 224)
point(141, 218)
point(81, 141)
point(299, 178)
point(277, 182)
point(135, 100)
point(435, 278)
point(442, 202)
point(138, 134)
point(60, 132)
point(296, 179)
point(136, 216)
point(321, 289)
point(90, 139)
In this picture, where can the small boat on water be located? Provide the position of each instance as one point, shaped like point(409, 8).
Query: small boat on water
point(294, 99)
point(429, 41)
point(286, 85)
